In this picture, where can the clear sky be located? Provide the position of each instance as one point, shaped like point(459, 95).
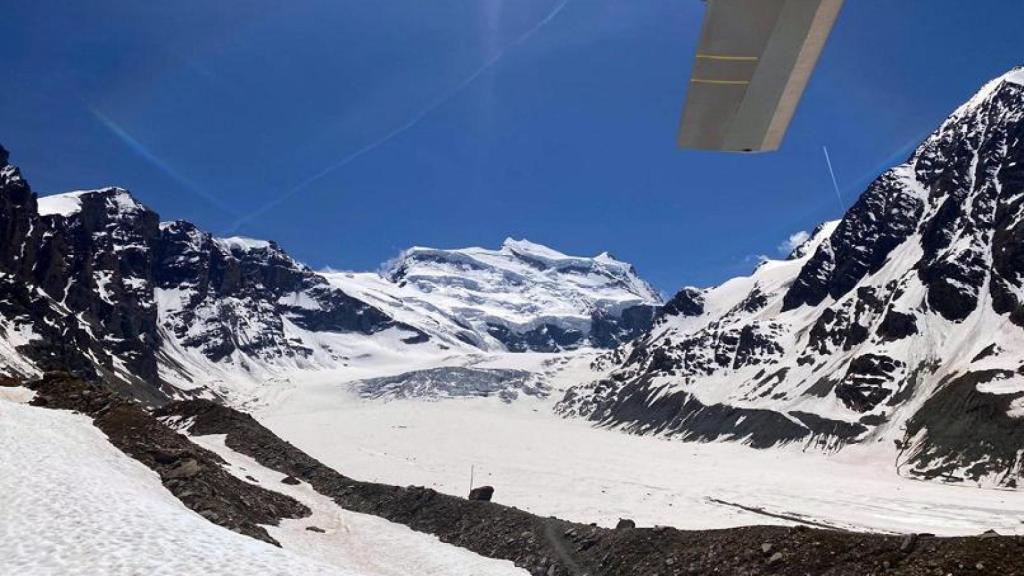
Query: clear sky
point(348, 130)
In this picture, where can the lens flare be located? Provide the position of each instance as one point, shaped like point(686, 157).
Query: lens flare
point(152, 159)
point(411, 123)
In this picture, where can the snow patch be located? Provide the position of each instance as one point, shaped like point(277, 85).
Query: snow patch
point(371, 545)
point(241, 243)
point(81, 507)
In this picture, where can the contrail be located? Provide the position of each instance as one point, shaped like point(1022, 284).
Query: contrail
point(832, 172)
point(145, 153)
point(412, 122)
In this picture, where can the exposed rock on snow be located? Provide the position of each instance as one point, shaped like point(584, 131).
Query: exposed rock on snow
point(192, 474)
point(83, 508)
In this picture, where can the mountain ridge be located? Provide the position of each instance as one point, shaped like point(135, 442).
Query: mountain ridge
point(899, 325)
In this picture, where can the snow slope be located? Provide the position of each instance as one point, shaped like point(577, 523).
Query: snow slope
point(368, 544)
point(566, 468)
point(74, 504)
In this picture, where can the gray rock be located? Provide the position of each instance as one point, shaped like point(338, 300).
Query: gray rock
point(625, 524)
point(482, 494)
point(184, 469)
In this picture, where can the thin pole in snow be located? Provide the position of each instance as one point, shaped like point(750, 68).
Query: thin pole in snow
point(471, 470)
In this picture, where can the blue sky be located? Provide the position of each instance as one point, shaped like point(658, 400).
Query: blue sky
point(348, 130)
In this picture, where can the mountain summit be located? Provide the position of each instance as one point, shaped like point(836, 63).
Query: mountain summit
point(523, 296)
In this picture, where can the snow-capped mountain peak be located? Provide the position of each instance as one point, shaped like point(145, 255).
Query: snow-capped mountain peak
point(900, 325)
point(523, 296)
point(242, 244)
point(117, 200)
point(1014, 76)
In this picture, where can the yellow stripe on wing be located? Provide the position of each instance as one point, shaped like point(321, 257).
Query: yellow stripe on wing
point(720, 82)
point(728, 58)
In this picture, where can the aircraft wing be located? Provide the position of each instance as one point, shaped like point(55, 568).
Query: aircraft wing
point(753, 63)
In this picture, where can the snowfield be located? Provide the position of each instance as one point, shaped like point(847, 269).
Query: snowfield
point(552, 466)
point(74, 505)
point(369, 544)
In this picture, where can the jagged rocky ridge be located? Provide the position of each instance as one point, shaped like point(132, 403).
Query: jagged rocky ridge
point(902, 323)
point(91, 282)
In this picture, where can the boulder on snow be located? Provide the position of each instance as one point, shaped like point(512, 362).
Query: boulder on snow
point(625, 524)
point(482, 494)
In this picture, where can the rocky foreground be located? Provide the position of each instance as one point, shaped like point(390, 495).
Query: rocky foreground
point(547, 546)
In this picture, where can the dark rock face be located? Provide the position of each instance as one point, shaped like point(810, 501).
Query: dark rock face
point(98, 263)
point(971, 168)
point(882, 219)
point(543, 338)
point(608, 331)
point(638, 409)
point(897, 326)
point(966, 428)
point(687, 302)
point(40, 262)
point(227, 288)
point(864, 386)
point(877, 318)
